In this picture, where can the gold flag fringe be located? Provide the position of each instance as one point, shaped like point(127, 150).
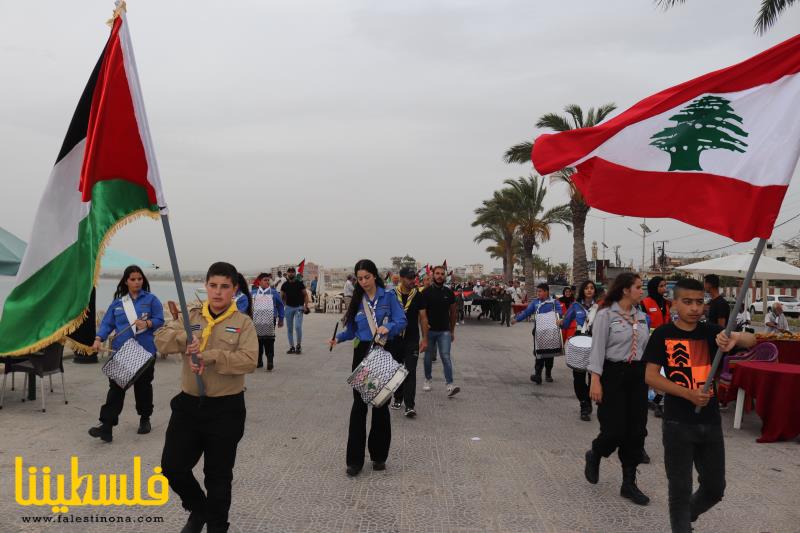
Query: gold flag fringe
point(60, 335)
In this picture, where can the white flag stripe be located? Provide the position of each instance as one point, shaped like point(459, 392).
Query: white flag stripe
point(60, 211)
point(153, 175)
point(770, 115)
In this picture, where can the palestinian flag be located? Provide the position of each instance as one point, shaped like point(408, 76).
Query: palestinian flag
point(105, 176)
point(716, 152)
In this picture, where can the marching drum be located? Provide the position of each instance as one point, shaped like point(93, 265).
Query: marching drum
point(377, 376)
point(577, 352)
point(128, 363)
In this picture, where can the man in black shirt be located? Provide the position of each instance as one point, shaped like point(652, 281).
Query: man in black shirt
point(295, 298)
point(685, 349)
point(438, 319)
point(718, 308)
point(405, 347)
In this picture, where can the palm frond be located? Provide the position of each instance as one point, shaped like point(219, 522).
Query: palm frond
point(602, 112)
point(519, 153)
point(769, 12)
point(666, 4)
point(576, 113)
point(554, 122)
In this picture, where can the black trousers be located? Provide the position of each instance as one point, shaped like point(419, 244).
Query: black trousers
point(505, 314)
point(546, 363)
point(580, 382)
point(211, 427)
point(623, 412)
point(266, 345)
point(115, 399)
point(685, 445)
point(407, 353)
point(380, 434)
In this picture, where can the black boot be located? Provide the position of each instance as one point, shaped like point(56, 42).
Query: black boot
point(103, 432)
point(548, 377)
point(195, 522)
point(217, 528)
point(537, 377)
point(144, 426)
point(586, 411)
point(629, 489)
point(592, 468)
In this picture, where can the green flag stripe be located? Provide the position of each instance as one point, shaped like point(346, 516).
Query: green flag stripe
point(51, 302)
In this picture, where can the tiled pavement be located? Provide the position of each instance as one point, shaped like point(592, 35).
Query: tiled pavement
point(502, 456)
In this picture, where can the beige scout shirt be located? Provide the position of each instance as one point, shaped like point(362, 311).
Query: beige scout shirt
point(230, 353)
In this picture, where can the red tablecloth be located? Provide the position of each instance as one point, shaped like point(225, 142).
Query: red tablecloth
point(518, 308)
point(775, 388)
point(788, 351)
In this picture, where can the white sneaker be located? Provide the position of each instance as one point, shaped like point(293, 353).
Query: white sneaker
point(452, 390)
point(427, 386)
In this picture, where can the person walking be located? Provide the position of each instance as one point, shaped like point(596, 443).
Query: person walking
point(349, 288)
point(134, 313)
point(406, 346)
point(296, 300)
point(657, 308)
point(267, 312)
point(579, 318)
point(619, 337)
point(438, 317)
point(546, 341)
point(225, 345)
point(369, 299)
point(685, 349)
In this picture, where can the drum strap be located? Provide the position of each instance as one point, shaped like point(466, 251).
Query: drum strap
point(130, 312)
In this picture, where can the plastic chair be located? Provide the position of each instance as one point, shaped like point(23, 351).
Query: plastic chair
point(45, 363)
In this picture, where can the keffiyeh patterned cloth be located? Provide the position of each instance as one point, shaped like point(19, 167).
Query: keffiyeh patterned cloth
point(264, 315)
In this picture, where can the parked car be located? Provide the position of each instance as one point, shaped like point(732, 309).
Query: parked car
point(791, 305)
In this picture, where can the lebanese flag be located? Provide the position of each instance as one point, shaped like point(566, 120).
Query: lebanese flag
point(104, 177)
point(716, 152)
point(301, 266)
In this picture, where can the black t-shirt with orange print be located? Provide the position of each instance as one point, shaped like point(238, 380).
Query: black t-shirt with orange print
point(686, 357)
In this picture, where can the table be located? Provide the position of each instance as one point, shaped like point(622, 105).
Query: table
point(788, 351)
point(774, 387)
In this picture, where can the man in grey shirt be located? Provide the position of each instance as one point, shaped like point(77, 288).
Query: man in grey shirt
point(776, 321)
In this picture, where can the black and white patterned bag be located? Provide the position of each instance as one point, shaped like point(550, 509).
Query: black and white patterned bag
point(128, 363)
point(546, 333)
point(377, 376)
point(264, 315)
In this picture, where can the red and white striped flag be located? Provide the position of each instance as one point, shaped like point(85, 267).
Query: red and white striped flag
point(716, 152)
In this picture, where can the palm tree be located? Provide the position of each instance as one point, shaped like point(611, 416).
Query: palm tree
point(521, 153)
point(767, 15)
point(533, 223)
point(500, 228)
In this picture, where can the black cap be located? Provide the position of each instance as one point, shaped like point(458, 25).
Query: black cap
point(408, 273)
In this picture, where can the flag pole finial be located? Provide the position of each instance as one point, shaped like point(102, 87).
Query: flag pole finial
point(121, 7)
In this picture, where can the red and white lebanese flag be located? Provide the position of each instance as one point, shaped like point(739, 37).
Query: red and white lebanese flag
point(105, 175)
point(716, 152)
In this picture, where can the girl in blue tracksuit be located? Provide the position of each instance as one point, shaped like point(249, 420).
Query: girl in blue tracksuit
point(542, 304)
point(578, 313)
point(390, 319)
point(267, 312)
point(149, 317)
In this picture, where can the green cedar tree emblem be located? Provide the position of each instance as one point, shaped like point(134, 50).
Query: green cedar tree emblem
point(707, 123)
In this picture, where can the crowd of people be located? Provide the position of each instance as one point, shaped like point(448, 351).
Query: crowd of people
point(639, 340)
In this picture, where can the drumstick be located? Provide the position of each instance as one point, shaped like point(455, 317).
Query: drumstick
point(335, 329)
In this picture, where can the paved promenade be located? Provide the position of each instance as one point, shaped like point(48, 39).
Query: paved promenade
point(504, 455)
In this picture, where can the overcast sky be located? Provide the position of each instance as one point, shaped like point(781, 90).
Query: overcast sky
point(341, 129)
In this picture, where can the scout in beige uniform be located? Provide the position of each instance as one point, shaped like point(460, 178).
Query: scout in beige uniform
point(226, 346)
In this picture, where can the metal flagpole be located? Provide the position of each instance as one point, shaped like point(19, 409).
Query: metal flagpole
point(147, 141)
point(748, 277)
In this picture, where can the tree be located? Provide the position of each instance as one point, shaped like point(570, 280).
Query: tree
point(707, 123)
point(526, 197)
point(767, 15)
point(521, 153)
point(499, 227)
point(399, 262)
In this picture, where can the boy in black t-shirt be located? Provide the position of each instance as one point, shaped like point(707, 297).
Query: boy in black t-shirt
point(685, 349)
